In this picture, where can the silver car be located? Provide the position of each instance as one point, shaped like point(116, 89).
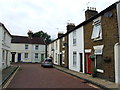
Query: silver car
point(47, 63)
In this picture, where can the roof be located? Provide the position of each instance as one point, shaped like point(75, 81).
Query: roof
point(1, 24)
point(27, 40)
point(90, 19)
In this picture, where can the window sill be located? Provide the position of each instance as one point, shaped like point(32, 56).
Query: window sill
point(74, 45)
point(100, 70)
point(97, 39)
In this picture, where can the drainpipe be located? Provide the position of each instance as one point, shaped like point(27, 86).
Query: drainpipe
point(117, 48)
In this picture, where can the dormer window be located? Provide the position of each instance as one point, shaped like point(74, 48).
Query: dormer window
point(97, 29)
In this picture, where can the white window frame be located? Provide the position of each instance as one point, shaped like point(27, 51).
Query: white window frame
point(26, 46)
point(36, 47)
point(63, 57)
point(99, 47)
point(97, 29)
point(56, 45)
point(74, 59)
point(74, 38)
point(26, 55)
point(63, 42)
point(36, 55)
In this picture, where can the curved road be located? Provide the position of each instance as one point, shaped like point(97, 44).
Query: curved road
point(35, 76)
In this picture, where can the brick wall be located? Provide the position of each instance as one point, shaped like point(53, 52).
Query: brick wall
point(110, 38)
point(66, 51)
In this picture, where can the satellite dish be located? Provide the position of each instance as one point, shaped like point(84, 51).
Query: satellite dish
point(108, 14)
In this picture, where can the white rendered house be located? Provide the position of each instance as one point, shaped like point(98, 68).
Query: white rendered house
point(5, 47)
point(76, 50)
point(27, 49)
point(54, 51)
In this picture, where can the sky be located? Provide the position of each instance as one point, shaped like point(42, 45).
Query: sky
point(51, 16)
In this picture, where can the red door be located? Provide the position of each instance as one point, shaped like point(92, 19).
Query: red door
point(88, 64)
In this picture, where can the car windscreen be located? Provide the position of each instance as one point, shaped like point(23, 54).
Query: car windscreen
point(48, 60)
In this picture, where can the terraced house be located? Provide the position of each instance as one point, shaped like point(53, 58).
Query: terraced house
point(101, 34)
point(94, 45)
point(5, 47)
point(27, 49)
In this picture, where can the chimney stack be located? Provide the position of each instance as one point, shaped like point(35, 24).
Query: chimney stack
point(30, 34)
point(90, 12)
point(60, 34)
point(70, 26)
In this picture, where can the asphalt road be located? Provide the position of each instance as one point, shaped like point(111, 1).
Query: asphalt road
point(35, 76)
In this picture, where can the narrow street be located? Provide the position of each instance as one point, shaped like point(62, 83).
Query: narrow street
point(35, 76)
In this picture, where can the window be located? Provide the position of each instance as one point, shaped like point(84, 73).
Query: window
point(63, 57)
point(99, 63)
point(4, 37)
point(74, 58)
point(3, 55)
point(63, 42)
point(42, 57)
point(36, 47)
point(56, 58)
point(56, 45)
point(97, 30)
point(36, 55)
point(74, 38)
point(26, 46)
point(98, 51)
point(26, 55)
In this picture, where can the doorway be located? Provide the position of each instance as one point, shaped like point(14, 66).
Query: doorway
point(19, 57)
point(88, 64)
point(81, 63)
point(13, 57)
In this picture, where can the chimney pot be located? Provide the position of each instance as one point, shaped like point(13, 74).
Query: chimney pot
point(90, 12)
point(70, 26)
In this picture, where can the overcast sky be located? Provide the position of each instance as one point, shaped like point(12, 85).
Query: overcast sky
point(51, 16)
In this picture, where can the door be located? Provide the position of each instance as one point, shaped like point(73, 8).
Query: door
point(61, 59)
point(6, 58)
point(19, 57)
point(81, 63)
point(42, 57)
point(88, 64)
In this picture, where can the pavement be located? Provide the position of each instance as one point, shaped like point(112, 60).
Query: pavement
point(6, 73)
point(88, 78)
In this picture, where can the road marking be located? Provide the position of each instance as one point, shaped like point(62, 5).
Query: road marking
point(10, 79)
point(94, 86)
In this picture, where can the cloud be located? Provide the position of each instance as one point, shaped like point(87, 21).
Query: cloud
point(48, 15)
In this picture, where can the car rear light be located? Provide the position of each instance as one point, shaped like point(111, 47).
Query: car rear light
point(45, 61)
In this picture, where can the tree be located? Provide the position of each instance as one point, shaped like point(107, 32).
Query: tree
point(44, 35)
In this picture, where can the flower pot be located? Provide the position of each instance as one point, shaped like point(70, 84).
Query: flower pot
point(92, 57)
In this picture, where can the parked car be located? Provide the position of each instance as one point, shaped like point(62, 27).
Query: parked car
point(47, 63)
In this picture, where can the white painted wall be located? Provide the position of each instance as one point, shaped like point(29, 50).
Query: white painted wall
point(49, 49)
point(5, 45)
point(56, 52)
point(0, 48)
point(79, 48)
point(31, 52)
